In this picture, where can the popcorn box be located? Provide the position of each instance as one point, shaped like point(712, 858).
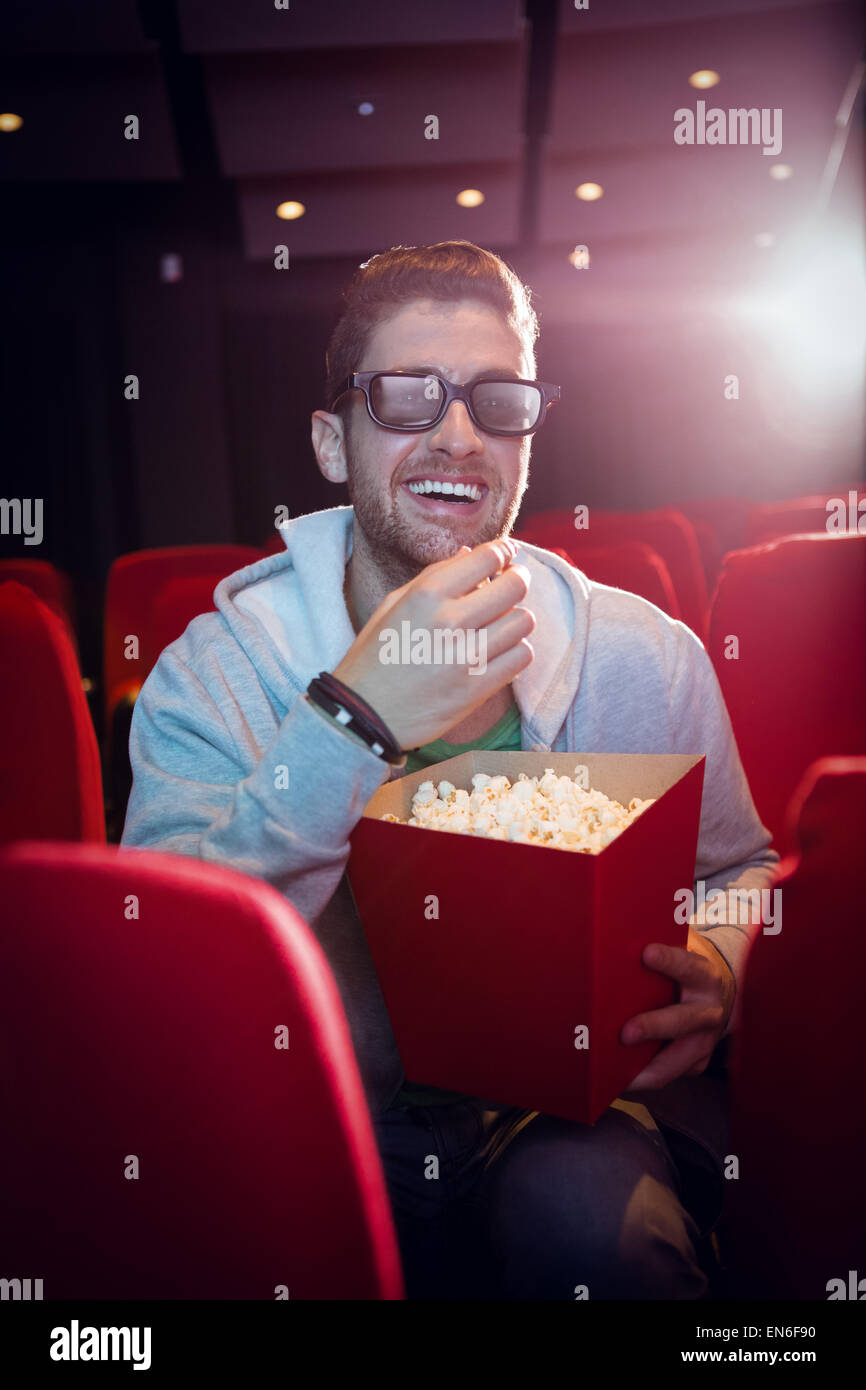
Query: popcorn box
point(508, 970)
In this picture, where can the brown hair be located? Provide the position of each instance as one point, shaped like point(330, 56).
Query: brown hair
point(447, 271)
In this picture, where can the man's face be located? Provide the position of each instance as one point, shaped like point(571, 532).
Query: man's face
point(406, 531)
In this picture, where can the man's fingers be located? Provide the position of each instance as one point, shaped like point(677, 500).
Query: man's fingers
point(507, 631)
point(501, 670)
point(687, 967)
point(461, 573)
point(672, 1022)
point(491, 601)
point(685, 1057)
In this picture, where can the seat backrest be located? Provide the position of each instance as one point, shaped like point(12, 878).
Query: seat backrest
point(183, 1111)
point(796, 1215)
point(822, 513)
point(666, 531)
point(630, 566)
point(50, 775)
point(726, 517)
point(48, 583)
point(794, 680)
point(174, 607)
point(135, 583)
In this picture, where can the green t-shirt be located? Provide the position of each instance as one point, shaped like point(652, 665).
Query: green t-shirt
point(504, 735)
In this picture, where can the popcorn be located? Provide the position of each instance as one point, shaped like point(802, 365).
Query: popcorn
point(547, 810)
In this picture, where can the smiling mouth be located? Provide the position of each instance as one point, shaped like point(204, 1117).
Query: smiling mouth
point(449, 492)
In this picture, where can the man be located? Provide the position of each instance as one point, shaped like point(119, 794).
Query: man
point(436, 474)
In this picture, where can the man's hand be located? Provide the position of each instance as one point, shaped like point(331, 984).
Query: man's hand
point(695, 1023)
point(478, 589)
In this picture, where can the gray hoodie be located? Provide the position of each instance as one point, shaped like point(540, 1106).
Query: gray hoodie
point(221, 725)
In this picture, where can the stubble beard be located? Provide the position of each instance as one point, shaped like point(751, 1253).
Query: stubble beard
point(402, 549)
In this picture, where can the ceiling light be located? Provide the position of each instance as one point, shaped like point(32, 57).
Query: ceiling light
point(470, 197)
point(9, 121)
point(780, 171)
point(703, 78)
point(588, 192)
point(289, 211)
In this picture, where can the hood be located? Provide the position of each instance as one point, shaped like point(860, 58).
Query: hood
point(288, 614)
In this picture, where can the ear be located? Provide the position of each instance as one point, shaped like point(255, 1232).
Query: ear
point(329, 445)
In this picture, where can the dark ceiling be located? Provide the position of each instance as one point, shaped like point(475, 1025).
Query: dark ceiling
point(530, 99)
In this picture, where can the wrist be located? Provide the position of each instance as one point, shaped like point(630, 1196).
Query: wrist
point(351, 711)
point(702, 943)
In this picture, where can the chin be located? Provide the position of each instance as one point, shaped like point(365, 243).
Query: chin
point(427, 548)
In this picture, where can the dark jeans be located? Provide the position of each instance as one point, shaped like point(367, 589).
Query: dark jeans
point(513, 1204)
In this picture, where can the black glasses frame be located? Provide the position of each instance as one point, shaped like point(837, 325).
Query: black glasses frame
point(363, 381)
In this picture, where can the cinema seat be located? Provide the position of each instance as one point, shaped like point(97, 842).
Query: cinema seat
point(666, 531)
point(50, 777)
point(635, 568)
point(796, 691)
point(135, 584)
point(795, 1216)
point(800, 515)
point(152, 595)
point(711, 551)
point(48, 583)
point(726, 518)
point(158, 1143)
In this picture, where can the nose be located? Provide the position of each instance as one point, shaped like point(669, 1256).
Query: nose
point(455, 433)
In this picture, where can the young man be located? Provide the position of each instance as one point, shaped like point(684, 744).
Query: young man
point(436, 474)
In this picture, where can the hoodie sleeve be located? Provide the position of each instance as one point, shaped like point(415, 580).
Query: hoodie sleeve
point(287, 821)
point(733, 846)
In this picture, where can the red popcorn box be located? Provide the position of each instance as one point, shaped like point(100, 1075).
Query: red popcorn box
point(508, 970)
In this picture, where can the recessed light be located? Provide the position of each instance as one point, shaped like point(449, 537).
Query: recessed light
point(9, 121)
point(588, 192)
point(703, 78)
point(470, 197)
point(780, 171)
point(289, 211)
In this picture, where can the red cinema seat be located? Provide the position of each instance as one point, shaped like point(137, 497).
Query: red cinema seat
point(796, 691)
point(50, 776)
point(48, 583)
point(667, 532)
point(795, 1216)
point(635, 568)
point(801, 515)
point(273, 543)
point(726, 517)
point(174, 607)
point(158, 1143)
point(710, 549)
point(135, 584)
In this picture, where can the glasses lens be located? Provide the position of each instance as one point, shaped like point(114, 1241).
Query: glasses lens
point(406, 401)
point(506, 405)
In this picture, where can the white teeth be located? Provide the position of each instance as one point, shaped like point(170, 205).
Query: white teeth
point(470, 490)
